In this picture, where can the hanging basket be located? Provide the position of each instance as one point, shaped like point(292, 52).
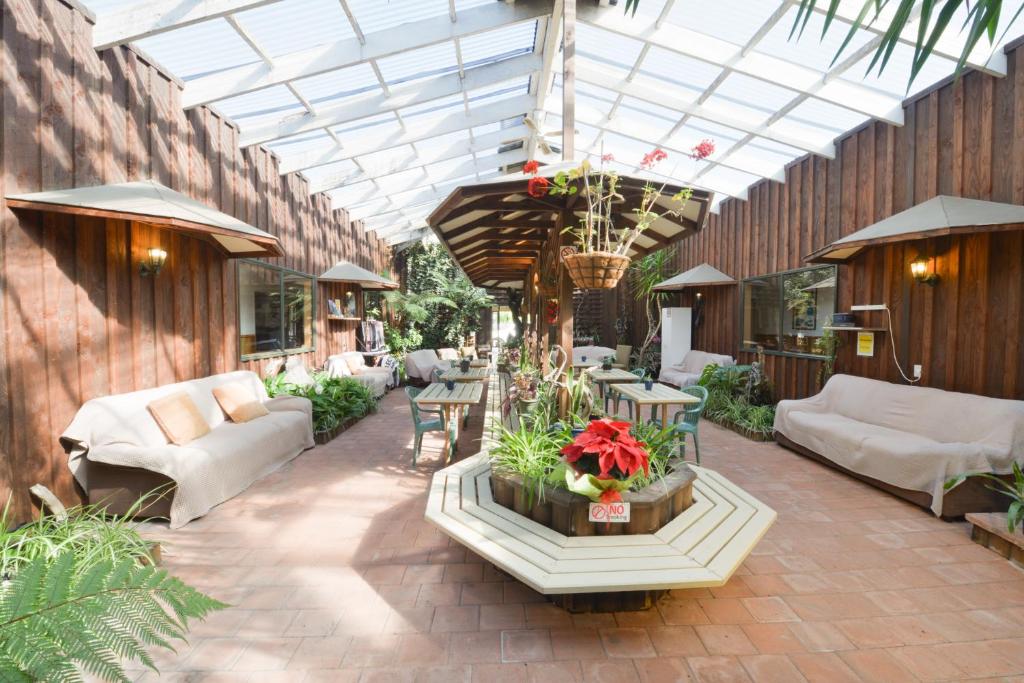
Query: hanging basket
point(596, 269)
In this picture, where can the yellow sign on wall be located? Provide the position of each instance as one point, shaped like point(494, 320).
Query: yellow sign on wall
point(865, 343)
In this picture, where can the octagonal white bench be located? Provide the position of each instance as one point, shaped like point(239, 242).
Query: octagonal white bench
point(701, 547)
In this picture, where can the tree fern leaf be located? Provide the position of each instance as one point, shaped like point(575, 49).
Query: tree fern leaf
point(58, 580)
point(25, 587)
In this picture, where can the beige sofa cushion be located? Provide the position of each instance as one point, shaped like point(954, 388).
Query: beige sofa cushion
point(239, 402)
point(179, 418)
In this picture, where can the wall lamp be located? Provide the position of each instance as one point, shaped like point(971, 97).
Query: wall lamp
point(154, 261)
point(923, 270)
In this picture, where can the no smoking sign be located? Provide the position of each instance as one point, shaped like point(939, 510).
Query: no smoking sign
point(609, 512)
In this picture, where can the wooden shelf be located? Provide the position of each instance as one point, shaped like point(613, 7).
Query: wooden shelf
point(844, 328)
point(342, 317)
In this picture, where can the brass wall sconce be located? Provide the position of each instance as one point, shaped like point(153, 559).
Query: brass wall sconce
point(923, 270)
point(154, 261)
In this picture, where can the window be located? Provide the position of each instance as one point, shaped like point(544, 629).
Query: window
point(788, 312)
point(275, 310)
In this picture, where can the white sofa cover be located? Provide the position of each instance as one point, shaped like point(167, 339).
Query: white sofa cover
point(352, 364)
point(594, 354)
point(687, 373)
point(419, 364)
point(915, 438)
point(119, 430)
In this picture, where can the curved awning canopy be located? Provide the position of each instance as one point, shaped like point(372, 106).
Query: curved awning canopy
point(345, 271)
point(702, 275)
point(495, 229)
point(147, 201)
point(939, 216)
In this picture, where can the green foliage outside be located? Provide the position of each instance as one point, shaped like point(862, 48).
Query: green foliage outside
point(441, 308)
point(80, 594)
point(334, 399)
point(740, 397)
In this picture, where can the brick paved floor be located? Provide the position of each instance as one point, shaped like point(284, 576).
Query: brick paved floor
point(334, 576)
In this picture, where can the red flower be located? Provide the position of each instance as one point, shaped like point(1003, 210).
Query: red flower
point(614, 447)
point(531, 167)
point(607, 157)
point(703, 149)
point(538, 186)
point(653, 157)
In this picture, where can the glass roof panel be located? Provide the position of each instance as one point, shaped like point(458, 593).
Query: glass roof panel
point(679, 70)
point(341, 83)
point(374, 15)
point(734, 20)
point(596, 42)
point(501, 43)
point(424, 62)
point(291, 25)
point(262, 106)
point(199, 49)
point(810, 48)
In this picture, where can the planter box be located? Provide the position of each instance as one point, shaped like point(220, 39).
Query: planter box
point(989, 529)
point(568, 514)
point(742, 431)
point(325, 437)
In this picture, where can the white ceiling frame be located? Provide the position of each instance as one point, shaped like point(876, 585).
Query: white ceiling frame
point(588, 72)
point(398, 185)
point(723, 54)
point(589, 117)
point(421, 157)
point(349, 52)
point(153, 17)
point(548, 43)
point(411, 236)
point(452, 123)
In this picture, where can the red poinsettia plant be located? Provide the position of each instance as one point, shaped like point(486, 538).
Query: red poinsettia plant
point(604, 460)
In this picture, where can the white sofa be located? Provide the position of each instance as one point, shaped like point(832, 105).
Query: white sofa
point(420, 364)
point(687, 373)
point(118, 436)
point(911, 439)
point(352, 364)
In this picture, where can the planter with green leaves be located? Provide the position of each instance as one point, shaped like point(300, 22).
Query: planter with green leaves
point(338, 402)
point(999, 531)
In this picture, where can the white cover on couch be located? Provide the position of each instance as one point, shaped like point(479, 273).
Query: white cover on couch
point(687, 373)
point(912, 437)
point(352, 364)
point(119, 430)
point(419, 364)
point(594, 354)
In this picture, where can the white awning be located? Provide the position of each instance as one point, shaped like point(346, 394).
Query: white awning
point(941, 215)
point(147, 201)
point(344, 271)
point(701, 275)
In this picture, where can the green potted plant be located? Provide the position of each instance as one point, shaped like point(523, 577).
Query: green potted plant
point(607, 362)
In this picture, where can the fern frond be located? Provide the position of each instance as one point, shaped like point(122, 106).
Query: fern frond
point(61, 616)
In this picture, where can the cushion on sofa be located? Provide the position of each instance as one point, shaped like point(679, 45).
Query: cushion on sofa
point(179, 418)
point(239, 402)
point(354, 361)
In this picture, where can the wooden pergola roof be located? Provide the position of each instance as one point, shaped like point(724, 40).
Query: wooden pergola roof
point(494, 230)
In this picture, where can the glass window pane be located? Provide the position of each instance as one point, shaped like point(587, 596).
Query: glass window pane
point(298, 306)
point(760, 322)
point(810, 301)
point(259, 308)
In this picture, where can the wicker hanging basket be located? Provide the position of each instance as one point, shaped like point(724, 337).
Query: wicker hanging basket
point(596, 269)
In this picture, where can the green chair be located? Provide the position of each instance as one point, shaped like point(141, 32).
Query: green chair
point(423, 426)
point(640, 373)
point(687, 420)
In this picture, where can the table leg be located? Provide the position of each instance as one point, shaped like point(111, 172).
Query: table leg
point(455, 430)
point(446, 447)
point(664, 415)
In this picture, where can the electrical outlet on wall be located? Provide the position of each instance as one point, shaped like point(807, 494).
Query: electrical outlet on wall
point(917, 371)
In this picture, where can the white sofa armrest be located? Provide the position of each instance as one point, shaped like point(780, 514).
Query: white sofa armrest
point(295, 403)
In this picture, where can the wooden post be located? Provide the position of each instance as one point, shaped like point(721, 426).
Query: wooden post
point(565, 308)
point(569, 81)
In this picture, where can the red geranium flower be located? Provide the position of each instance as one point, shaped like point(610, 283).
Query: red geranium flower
point(531, 167)
point(703, 149)
point(618, 454)
point(538, 186)
point(607, 157)
point(653, 157)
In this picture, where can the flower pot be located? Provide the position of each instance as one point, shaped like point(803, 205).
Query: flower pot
point(648, 384)
point(464, 365)
point(606, 366)
point(449, 385)
point(596, 269)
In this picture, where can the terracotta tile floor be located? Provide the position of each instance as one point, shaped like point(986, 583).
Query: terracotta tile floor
point(334, 576)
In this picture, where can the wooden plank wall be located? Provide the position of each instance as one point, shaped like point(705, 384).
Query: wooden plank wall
point(963, 139)
point(78, 320)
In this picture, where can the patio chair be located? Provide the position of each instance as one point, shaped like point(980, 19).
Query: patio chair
point(423, 426)
point(690, 419)
point(640, 373)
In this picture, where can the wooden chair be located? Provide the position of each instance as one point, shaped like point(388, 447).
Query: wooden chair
point(423, 426)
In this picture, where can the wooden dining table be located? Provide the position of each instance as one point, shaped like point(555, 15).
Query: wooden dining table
point(659, 395)
point(472, 375)
point(452, 402)
point(605, 377)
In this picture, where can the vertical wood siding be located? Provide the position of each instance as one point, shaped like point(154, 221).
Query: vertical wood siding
point(963, 139)
point(78, 320)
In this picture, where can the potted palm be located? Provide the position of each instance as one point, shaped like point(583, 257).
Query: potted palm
point(600, 257)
